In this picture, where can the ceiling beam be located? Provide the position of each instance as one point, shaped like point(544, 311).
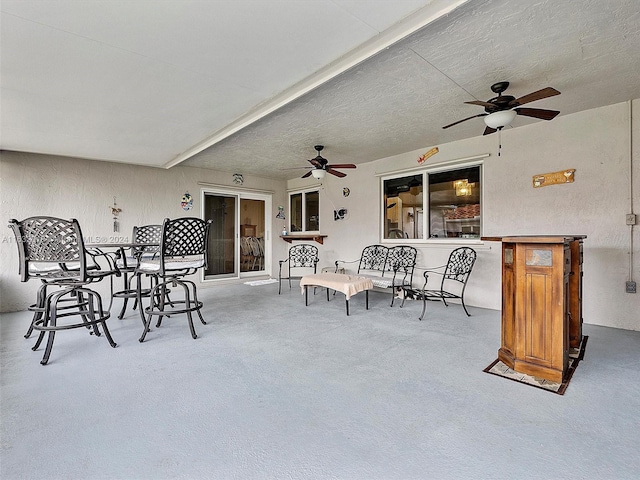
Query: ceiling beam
point(410, 24)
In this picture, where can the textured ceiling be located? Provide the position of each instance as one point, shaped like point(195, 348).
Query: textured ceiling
point(395, 101)
point(399, 100)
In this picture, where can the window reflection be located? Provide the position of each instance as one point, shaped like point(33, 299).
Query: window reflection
point(451, 201)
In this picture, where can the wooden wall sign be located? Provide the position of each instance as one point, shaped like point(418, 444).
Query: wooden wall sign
point(428, 154)
point(554, 178)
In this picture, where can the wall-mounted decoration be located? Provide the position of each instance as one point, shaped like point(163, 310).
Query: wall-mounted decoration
point(280, 214)
point(115, 211)
point(340, 214)
point(187, 202)
point(553, 178)
point(346, 192)
point(428, 154)
point(238, 178)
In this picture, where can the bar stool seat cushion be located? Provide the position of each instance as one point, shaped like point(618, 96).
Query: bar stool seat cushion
point(176, 263)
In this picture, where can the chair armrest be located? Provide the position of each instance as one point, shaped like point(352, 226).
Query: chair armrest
point(109, 257)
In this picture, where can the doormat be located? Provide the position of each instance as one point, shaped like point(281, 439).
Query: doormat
point(575, 355)
point(255, 283)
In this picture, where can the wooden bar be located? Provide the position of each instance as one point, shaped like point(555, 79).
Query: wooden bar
point(541, 302)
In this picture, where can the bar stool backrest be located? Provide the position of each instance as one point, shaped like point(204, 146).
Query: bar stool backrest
point(184, 237)
point(49, 244)
point(147, 234)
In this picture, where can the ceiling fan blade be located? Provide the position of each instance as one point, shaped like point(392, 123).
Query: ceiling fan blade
point(537, 113)
point(532, 97)
point(308, 174)
point(341, 165)
point(464, 120)
point(489, 130)
point(336, 173)
point(482, 104)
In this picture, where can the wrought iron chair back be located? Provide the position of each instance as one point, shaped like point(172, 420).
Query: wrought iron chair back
point(302, 255)
point(47, 245)
point(374, 257)
point(459, 265)
point(182, 238)
point(402, 258)
point(147, 234)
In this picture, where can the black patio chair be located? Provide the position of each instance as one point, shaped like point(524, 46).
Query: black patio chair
point(301, 256)
point(52, 250)
point(454, 274)
point(183, 251)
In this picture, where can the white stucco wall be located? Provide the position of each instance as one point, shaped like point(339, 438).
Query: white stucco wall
point(595, 143)
point(83, 189)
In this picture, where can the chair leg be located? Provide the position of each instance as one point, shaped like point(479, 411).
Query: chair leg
point(424, 306)
point(196, 301)
point(465, 307)
point(95, 298)
point(37, 315)
point(163, 296)
point(53, 312)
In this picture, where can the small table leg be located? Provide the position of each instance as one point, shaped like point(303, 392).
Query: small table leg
point(366, 296)
point(347, 300)
point(306, 295)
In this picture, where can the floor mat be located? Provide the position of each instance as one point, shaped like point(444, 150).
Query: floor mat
point(500, 369)
point(255, 283)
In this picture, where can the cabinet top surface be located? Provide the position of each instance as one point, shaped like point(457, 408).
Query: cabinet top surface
point(535, 238)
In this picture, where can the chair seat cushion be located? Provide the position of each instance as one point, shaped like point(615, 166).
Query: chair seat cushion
point(130, 262)
point(385, 282)
point(36, 268)
point(177, 263)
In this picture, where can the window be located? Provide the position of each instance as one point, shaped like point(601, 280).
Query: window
point(433, 204)
point(304, 208)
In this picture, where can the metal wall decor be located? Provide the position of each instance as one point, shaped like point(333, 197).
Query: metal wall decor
point(187, 202)
point(553, 178)
point(280, 214)
point(238, 178)
point(346, 192)
point(115, 211)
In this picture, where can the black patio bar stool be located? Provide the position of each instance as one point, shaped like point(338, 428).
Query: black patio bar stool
point(52, 250)
point(183, 251)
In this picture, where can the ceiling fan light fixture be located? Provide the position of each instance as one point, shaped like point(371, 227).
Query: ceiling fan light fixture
point(318, 173)
point(500, 119)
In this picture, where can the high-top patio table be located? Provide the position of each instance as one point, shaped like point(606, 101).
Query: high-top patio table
point(139, 292)
point(347, 284)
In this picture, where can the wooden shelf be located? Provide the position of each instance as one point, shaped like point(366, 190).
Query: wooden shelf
point(302, 236)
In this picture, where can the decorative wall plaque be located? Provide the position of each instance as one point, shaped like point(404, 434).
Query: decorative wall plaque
point(428, 154)
point(554, 178)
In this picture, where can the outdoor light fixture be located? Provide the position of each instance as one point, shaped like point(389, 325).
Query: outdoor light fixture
point(318, 173)
point(500, 119)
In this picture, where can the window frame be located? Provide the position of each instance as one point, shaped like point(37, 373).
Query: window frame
point(425, 171)
point(305, 220)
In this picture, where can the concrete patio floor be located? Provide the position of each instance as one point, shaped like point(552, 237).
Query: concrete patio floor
point(272, 389)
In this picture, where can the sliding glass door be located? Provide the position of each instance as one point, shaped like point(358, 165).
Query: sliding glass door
point(239, 243)
point(222, 210)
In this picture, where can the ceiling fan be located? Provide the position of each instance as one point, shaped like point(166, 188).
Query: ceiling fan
point(501, 110)
point(321, 166)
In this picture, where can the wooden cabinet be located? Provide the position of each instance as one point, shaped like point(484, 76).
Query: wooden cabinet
point(541, 303)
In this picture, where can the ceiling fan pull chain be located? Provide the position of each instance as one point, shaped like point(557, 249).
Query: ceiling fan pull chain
point(499, 140)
